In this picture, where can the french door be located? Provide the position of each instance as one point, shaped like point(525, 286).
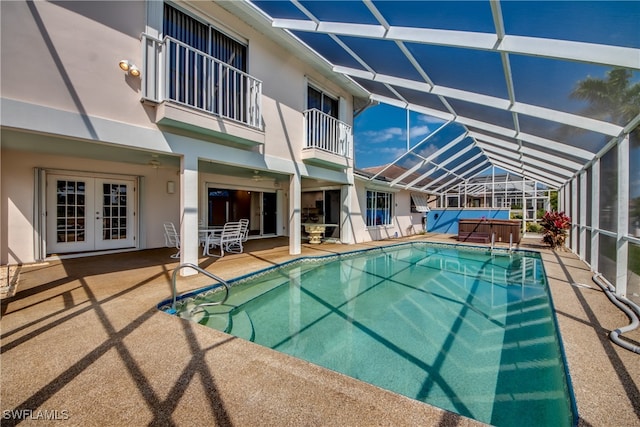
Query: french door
point(88, 213)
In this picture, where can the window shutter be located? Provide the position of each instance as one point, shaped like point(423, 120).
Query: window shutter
point(420, 200)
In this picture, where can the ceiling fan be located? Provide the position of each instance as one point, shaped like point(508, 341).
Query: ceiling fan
point(154, 162)
point(256, 176)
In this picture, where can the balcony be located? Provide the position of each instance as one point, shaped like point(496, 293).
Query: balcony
point(195, 91)
point(328, 141)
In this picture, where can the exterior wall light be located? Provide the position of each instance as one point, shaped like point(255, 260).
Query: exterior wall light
point(130, 68)
point(134, 71)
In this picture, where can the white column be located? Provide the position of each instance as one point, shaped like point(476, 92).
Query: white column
point(506, 184)
point(466, 194)
point(623, 217)
point(154, 18)
point(595, 213)
point(583, 215)
point(346, 227)
point(188, 211)
point(524, 206)
point(561, 198)
point(295, 203)
point(574, 212)
point(493, 187)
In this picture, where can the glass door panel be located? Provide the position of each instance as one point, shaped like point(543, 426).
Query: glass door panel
point(269, 210)
point(87, 214)
point(69, 206)
point(259, 208)
point(332, 209)
point(114, 215)
point(218, 206)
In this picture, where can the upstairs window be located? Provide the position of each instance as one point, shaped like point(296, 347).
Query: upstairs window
point(324, 129)
point(206, 68)
point(204, 38)
point(321, 101)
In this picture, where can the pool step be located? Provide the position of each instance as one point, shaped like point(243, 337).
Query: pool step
point(241, 326)
point(218, 321)
point(232, 322)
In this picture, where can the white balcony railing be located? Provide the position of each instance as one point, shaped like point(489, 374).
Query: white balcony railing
point(327, 133)
point(176, 72)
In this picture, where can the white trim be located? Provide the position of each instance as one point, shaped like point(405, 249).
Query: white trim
point(622, 244)
point(392, 207)
point(582, 231)
point(592, 53)
point(517, 150)
point(241, 187)
point(595, 214)
point(40, 215)
point(574, 197)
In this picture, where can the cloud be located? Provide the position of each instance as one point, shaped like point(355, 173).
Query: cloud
point(382, 135)
point(379, 155)
point(393, 134)
point(395, 152)
point(430, 119)
point(427, 151)
point(417, 131)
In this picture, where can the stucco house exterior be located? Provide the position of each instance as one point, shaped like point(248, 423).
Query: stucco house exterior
point(117, 117)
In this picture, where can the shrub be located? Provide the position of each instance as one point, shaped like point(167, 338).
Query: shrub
point(533, 227)
point(555, 226)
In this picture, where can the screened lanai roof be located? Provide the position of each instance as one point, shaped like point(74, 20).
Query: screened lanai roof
point(498, 74)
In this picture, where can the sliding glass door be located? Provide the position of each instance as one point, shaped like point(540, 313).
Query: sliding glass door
point(260, 208)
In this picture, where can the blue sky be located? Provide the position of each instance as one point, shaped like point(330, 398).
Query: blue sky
point(380, 133)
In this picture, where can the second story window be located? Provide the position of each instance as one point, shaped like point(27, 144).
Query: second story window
point(321, 101)
point(204, 38)
point(206, 68)
point(324, 129)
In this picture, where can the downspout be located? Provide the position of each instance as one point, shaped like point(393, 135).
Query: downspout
point(628, 307)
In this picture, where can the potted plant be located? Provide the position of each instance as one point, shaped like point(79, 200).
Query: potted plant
point(555, 226)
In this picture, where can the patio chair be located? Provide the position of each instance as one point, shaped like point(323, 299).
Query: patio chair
point(229, 239)
point(171, 238)
point(202, 233)
point(245, 229)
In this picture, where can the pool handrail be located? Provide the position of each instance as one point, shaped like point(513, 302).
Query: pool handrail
point(199, 270)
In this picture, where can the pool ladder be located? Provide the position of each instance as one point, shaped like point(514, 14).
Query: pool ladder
point(493, 242)
point(199, 270)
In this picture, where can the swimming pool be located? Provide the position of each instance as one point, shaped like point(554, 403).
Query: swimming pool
point(465, 330)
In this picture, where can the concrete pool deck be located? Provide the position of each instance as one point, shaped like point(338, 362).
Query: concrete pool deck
point(83, 342)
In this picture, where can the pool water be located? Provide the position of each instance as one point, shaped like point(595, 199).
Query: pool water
point(465, 330)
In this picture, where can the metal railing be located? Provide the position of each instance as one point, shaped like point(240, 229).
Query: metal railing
point(174, 290)
point(174, 71)
point(327, 133)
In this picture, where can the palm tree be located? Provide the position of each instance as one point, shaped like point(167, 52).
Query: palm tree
point(617, 100)
point(613, 98)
